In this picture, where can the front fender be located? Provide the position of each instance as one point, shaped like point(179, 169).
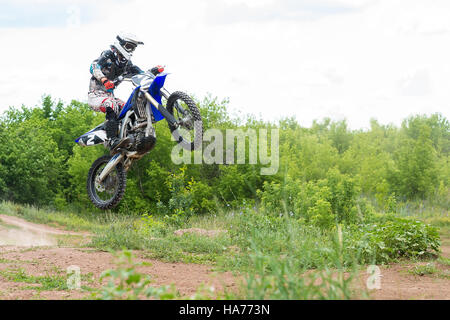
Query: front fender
point(155, 91)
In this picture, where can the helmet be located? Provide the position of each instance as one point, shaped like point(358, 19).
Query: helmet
point(125, 44)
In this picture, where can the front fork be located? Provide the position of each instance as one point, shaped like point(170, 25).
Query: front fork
point(170, 119)
point(115, 160)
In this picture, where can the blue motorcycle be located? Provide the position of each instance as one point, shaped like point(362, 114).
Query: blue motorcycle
point(106, 181)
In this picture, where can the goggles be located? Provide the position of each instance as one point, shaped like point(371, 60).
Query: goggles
point(129, 46)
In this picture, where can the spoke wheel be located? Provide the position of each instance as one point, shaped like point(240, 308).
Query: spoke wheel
point(189, 133)
point(108, 193)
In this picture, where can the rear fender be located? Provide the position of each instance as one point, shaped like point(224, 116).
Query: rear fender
point(93, 137)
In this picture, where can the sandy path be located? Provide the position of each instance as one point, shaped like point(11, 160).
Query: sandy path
point(18, 232)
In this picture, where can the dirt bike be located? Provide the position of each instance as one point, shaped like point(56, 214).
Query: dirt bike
point(107, 176)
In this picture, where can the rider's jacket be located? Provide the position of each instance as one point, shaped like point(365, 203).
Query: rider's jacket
point(106, 66)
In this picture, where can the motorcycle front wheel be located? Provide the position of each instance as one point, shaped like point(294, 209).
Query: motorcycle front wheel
point(108, 193)
point(189, 133)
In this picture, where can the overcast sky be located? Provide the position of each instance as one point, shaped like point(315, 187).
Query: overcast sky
point(384, 59)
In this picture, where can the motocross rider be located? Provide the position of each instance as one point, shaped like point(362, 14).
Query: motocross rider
point(105, 72)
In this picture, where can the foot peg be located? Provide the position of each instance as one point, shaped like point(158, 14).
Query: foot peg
point(124, 142)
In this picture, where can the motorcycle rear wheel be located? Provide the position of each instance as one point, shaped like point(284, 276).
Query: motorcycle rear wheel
point(106, 195)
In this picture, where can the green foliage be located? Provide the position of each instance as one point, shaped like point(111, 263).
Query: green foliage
point(323, 169)
point(421, 270)
point(324, 202)
point(393, 239)
point(126, 283)
point(279, 278)
point(45, 282)
point(203, 199)
point(416, 174)
point(180, 201)
point(321, 215)
point(33, 161)
point(149, 226)
point(306, 246)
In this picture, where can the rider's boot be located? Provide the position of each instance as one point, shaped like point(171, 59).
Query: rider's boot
point(111, 128)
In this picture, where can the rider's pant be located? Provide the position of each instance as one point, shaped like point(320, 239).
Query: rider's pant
point(102, 101)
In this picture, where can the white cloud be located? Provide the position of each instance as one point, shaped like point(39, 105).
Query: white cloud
point(415, 84)
point(361, 61)
point(234, 11)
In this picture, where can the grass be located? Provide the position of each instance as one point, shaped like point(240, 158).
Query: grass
point(307, 246)
point(55, 281)
point(162, 243)
point(8, 226)
point(47, 282)
point(266, 249)
point(69, 220)
point(421, 270)
point(444, 261)
point(71, 240)
point(3, 260)
point(432, 269)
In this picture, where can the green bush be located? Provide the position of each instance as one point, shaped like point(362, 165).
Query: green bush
point(388, 241)
point(125, 283)
point(324, 202)
point(321, 215)
point(203, 200)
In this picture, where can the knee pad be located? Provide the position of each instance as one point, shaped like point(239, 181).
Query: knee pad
point(110, 105)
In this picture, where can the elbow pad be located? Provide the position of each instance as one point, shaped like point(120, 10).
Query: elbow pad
point(96, 71)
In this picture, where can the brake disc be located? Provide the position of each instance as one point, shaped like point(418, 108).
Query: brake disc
point(98, 185)
point(109, 184)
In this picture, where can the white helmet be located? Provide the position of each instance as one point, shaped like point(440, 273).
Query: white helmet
point(125, 44)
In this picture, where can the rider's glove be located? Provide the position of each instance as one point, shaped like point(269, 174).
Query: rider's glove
point(157, 70)
point(109, 85)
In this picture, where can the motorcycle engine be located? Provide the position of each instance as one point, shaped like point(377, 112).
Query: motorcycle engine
point(141, 143)
point(140, 106)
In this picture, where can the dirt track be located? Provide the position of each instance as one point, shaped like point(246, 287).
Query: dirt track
point(40, 250)
point(34, 248)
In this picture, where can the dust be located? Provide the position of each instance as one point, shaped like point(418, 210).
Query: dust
point(24, 238)
point(18, 232)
